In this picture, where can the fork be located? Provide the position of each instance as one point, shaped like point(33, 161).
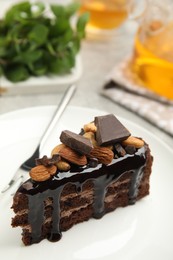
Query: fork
point(28, 164)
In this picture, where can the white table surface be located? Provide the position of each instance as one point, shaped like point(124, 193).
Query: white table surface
point(98, 58)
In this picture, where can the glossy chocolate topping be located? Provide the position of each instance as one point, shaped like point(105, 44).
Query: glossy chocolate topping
point(101, 175)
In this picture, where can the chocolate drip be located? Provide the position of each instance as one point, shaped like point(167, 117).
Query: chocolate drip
point(134, 185)
point(37, 217)
point(55, 234)
point(102, 176)
point(99, 196)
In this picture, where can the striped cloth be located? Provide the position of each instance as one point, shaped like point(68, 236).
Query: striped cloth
point(122, 89)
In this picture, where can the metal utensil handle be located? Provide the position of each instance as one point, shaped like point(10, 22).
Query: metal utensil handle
point(60, 109)
point(57, 114)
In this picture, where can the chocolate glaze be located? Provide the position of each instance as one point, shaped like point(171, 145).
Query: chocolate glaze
point(101, 175)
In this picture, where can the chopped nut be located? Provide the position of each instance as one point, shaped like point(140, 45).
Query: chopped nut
point(134, 141)
point(91, 136)
point(90, 127)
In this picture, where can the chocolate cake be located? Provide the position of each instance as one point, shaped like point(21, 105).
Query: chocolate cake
point(87, 175)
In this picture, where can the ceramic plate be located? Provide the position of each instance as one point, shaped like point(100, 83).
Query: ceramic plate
point(42, 84)
point(143, 231)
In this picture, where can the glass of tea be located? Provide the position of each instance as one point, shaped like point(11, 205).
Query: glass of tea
point(105, 15)
point(152, 59)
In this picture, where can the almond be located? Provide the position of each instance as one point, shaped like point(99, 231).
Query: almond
point(52, 169)
point(70, 155)
point(42, 173)
point(39, 173)
point(103, 154)
point(63, 165)
point(131, 140)
point(57, 148)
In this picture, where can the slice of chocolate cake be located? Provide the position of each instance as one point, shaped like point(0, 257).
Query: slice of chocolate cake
point(88, 175)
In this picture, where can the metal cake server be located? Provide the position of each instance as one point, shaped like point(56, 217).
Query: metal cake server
point(28, 164)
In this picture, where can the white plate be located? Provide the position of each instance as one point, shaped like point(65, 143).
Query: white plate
point(143, 231)
point(42, 84)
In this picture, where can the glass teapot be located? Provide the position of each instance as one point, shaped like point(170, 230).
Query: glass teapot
point(152, 59)
point(105, 14)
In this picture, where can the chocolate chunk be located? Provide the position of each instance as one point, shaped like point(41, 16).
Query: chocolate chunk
point(76, 142)
point(110, 130)
point(48, 161)
point(130, 149)
point(93, 162)
point(119, 150)
point(82, 132)
point(116, 156)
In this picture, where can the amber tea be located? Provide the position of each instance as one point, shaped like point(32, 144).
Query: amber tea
point(153, 58)
point(105, 14)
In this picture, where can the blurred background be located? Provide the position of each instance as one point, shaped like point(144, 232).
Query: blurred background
point(124, 65)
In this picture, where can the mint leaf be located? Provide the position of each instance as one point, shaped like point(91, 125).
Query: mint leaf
point(17, 73)
point(3, 52)
point(37, 9)
point(58, 10)
point(18, 11)
point(38, 68)
point(81, 24)
point(38, 34)
point(28, 57)
point(34, 42)
point(1, 70)
point(59, 27)
point(72, 8)
point(63, 63)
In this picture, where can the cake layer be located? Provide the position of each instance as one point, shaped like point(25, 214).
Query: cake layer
point(79, 194)
point(81, 215)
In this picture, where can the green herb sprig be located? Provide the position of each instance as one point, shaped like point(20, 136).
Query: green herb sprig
point(35, 41)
